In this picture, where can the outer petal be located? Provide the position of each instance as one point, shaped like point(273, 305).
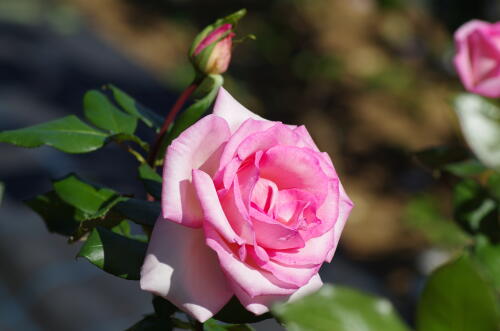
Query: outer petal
point(260, 305)
point(345, 209)
point(198, 147)
point(306, 137)
point(181, 268)
point(232, 111)
point(328, 212)
point(252, 281)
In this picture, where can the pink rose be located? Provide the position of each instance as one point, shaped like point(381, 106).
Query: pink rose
point(251, 208)
point(478, 57)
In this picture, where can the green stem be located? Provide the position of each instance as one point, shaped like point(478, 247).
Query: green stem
point(168, 120)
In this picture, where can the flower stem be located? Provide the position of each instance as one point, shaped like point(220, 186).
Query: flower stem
point(168, 120)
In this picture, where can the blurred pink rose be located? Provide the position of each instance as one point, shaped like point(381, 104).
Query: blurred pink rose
point(251, 208)
point(478, 57)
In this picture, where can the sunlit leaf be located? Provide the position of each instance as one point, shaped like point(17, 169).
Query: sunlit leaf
point(213, 325)
point(423, 213)
point(90, 201)
point(103, 114)
point(149, 117)
point(340, 309)
point(68, 134)
point(456, 297)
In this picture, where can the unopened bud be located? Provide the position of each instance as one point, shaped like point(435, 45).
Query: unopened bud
point(211, 50)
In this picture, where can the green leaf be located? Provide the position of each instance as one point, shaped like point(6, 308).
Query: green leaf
point(68, 134)
point(114, 253)
point(456, 297)
point(488, 257)
point(234, 312)
point(493, 185)
point(59, 217)
point(152, 323)
point(340, 309)
point(475, 209)
point(470, 167)
point(151, 180)
point(212, 325)
point(149, 117)
point(91, 202)
point(423, 213)
point(103, 114)
point(207, 91)
point(140, 211)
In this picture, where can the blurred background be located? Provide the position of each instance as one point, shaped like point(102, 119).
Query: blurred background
point(371, 79)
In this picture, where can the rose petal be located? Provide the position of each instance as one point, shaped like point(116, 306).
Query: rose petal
point(345, 209)
point(277, 135)
point(198, 147)
point(260, 304)
point(270, 233)
point(254, 282)
point(248, 127)
point(212, 209)
point(328, 212)
point(306, 138)
point(294, 275)
point(264, 195)
point(182, 269)
point(232, 111)
point(292, 167)
point(314, 252)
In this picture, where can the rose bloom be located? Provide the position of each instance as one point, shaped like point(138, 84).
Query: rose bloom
point(477, 60)
point(251, 208)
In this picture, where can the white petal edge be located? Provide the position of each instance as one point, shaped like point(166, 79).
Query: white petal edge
point(198, 147)
point(232, 111)
point(182, 269)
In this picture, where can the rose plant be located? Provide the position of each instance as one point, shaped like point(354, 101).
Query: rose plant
point(265, 200)
point(244, 216)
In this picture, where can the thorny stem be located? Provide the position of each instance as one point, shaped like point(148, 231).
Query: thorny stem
point(168, 120)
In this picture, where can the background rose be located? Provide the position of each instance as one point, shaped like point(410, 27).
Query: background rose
point(261, 196)
point(478, 57)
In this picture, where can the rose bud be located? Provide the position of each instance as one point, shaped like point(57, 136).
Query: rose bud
point(477, 60)
point(210, 52)
point(213, 54)
point(251, 208)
